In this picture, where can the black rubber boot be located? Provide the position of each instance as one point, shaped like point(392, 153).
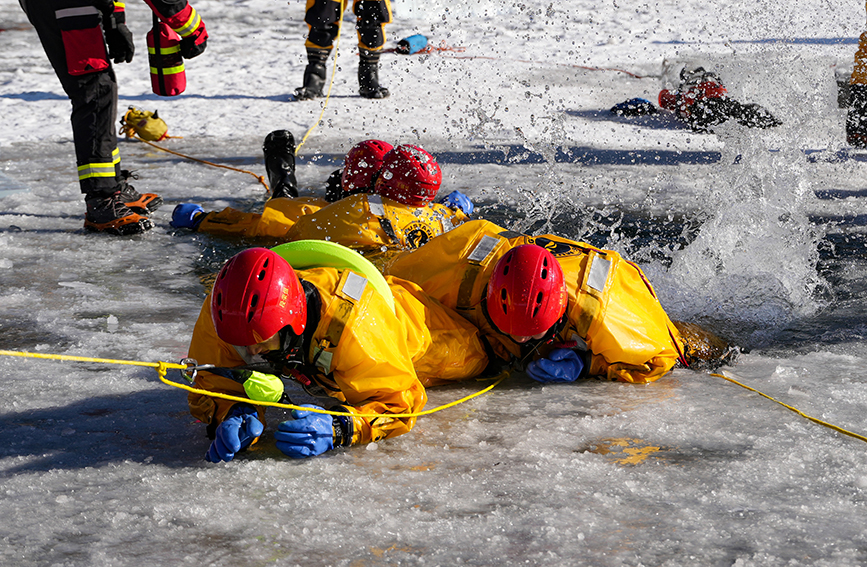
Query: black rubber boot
point(314, 74)
point(279, 149)
point(368, 75)
point(856, 118)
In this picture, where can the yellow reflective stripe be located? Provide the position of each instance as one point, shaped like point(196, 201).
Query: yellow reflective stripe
point(191, 24)
point(173, 49)
point(120, 5)
point(168, 70)
point(92, 170)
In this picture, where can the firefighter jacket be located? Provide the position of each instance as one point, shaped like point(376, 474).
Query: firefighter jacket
point(612, 310)
point(358, 351)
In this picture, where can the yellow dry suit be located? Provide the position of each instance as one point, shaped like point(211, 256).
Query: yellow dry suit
point(276, 219)
point(368, 221)
point(364, 221)
point(362, 353)
point(612, 309)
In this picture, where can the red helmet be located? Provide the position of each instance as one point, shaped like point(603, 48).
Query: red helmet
point(255, 295)
point(410, 176)
point(526, 293)
point(361, 164)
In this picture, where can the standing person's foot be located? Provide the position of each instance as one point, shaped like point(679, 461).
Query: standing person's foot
point(141, 203)
point(368, 76)
point(279, 150)
point(314, 74)
point(110, 214)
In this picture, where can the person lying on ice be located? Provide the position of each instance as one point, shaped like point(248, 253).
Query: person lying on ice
point(701, 101)
point(564, 309)
point(335, 333)
point(384, 198)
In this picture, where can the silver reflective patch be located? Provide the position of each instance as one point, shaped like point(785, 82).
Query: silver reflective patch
point(354, 286)
point(599, 273)
point(485, 246)
point(376, 206)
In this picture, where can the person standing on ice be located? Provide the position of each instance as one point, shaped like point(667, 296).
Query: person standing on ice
point(330, 331)
point(560, 309)
point(383, 197)
point(856, 117)
point(74, 34)
point(324, 18)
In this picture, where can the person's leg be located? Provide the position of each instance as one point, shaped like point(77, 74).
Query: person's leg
point(89, 81)
point(279, 150)
point(323, 20)
point(372, 16)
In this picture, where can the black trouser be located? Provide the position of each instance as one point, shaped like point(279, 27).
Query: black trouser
point(324, 16)
point(91, 87)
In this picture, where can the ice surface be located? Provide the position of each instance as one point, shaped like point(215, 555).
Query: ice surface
point(757, 234)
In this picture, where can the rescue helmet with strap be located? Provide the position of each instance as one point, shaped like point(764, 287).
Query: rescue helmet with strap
point(526, 293)
point(361, 165)
point(255, 295)
point(410, 176)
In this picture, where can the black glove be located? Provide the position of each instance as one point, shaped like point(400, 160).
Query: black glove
point(119, 38)
point(194, 44)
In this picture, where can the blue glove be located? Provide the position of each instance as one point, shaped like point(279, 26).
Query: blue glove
point(306, 435)
point(457, 200)
point(187, 215)
point(562, 365)
point(237, 431)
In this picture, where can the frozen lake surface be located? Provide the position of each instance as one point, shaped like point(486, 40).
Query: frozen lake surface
point(759, 235)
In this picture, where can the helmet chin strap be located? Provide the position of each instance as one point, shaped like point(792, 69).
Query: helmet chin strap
point(292, 346)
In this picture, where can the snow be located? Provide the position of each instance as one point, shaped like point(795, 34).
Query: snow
point(758, 235)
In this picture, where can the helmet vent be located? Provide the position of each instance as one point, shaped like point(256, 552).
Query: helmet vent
point(539, 297)
point(252, 310)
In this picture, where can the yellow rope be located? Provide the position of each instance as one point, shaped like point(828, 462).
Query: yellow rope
point(330, 85)
point(164, 367)
point(796, 410)
point(259, 178)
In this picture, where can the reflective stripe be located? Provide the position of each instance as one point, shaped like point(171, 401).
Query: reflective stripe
point(354, 286)
point(90, 171)
point(599, 273)
point(74, 12)
point(191, 24)
point(172, 49)
point(483, 248)
point(374, 202)
point(167, 70)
